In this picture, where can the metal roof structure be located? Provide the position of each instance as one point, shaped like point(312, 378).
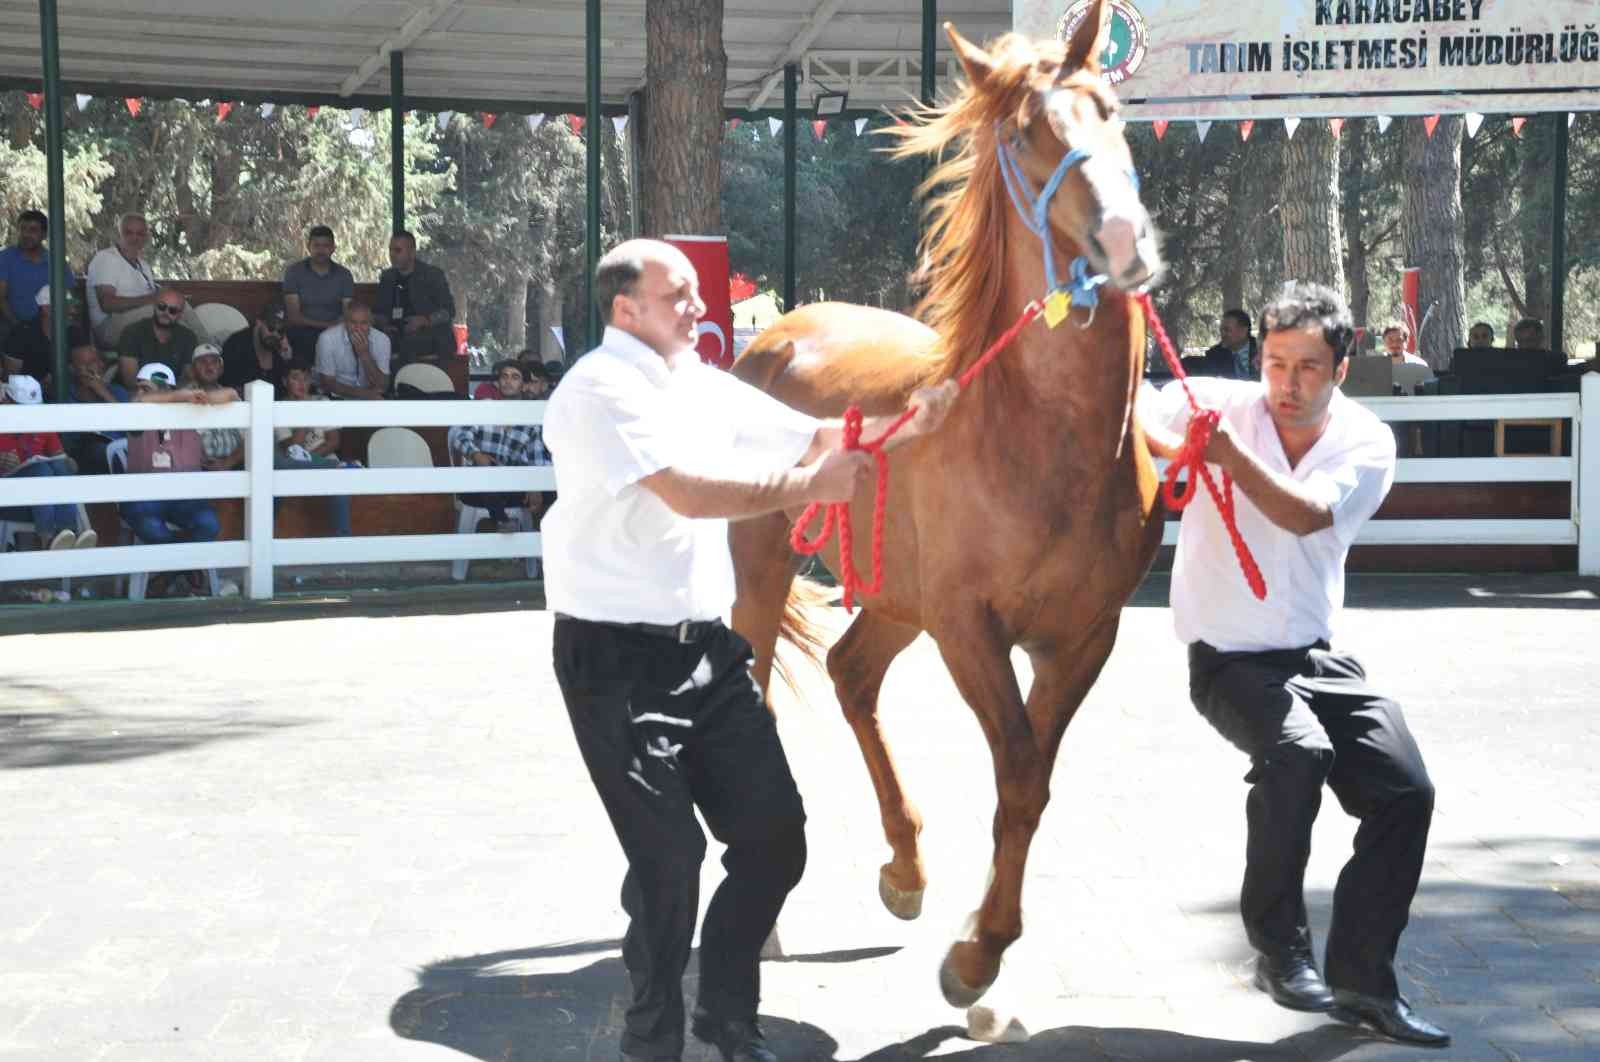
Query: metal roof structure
point(520, 54)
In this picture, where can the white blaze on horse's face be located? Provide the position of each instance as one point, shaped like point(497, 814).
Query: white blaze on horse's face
point(1120, 240)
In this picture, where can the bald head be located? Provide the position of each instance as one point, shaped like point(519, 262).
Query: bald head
point(621, 268)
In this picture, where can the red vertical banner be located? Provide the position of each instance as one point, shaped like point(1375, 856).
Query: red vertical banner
point(1411, 299)
point(709, 256)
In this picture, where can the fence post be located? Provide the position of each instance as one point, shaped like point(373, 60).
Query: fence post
point(258, 503)
point(1586, 499)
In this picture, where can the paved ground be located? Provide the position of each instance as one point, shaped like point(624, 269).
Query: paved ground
point(364, 838)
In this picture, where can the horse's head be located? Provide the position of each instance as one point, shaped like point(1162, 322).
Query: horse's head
point(1057, 116)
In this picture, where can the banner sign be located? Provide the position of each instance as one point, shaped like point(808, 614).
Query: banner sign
point(1199, 59)
point(709, 256)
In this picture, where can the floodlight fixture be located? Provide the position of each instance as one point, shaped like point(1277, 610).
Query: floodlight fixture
point(830, 104)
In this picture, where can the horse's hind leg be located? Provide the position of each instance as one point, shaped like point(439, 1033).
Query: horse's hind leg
point(857, 664)
point(763, 565)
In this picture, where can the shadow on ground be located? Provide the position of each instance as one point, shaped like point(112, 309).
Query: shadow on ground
point(488, 1007)
point(46, 726)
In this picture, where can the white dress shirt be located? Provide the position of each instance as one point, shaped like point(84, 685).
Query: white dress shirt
point(1350, 468)
point(337, 358)
point(613, 550)
point(111, 268)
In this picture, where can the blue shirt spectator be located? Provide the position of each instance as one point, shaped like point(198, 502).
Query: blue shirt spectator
point(25, 268)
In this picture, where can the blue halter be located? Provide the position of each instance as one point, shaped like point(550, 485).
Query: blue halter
point(1035, 212)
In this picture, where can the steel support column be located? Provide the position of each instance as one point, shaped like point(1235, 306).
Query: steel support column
point(791, 120)
point(930, 49)
point(591, 129)
point(397, 137)
point(1558, 243)
point(50, 53)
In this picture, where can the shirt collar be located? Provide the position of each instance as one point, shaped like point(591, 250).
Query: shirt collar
point(639, 354)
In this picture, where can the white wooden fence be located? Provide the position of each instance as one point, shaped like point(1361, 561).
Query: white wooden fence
point(259, 552)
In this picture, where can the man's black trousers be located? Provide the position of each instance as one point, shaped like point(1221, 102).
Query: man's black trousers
point(665, 728)
point(1305, 717)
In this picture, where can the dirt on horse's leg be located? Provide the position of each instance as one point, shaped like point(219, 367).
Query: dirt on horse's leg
point(857, 664)
point(763, 565)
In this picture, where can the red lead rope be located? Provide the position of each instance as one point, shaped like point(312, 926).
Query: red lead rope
point(1202, 422)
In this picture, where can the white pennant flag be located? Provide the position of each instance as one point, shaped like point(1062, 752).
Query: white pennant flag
point(1571, 117)
point(621, 122)
point(1203, 128)
point(776, 125)
point(534, 122)
point(83, 101)
point(561, 339)
point(1383, 123)
point(267, 109)
point(442, 119)
point(356, 114)
point(861, 123)
point(1290, 125)
point(1474, 122)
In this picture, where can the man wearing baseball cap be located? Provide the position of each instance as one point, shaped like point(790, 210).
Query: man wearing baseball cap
point(39, 454)
point(223, 447)
point(260, 352)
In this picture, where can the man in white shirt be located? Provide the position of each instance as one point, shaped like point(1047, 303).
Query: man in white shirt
point(352, 358)
point(120, 285)
point(654, 452)
point(1310, 467)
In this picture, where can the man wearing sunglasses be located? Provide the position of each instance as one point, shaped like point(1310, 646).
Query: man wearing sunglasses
point(258, 353)
point(159, 339)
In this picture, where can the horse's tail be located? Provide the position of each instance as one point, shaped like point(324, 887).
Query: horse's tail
point(802, 627)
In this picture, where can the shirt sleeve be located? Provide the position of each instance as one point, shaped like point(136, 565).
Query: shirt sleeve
point(620, 429)
point(325, 354)
point(1355, 484)
point(291, 281)
point(463, 440)
point(97, 272)
point(380, 349)
point(347, 284)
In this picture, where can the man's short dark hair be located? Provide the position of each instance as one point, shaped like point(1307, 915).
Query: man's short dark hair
point(406, 235)
point(1528, 324)
point(1304, 305)
point(319, 230)
point(509, 363)
point(1240, 316)
point(33, 215)
point(299, 365)
point(1482, 324)
point(617, 274)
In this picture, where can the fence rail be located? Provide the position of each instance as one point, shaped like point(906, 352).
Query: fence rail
point(260, 552)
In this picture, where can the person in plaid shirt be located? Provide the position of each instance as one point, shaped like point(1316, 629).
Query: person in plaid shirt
point(485, 445)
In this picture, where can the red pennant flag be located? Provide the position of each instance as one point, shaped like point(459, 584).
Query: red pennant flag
point(1429, 124)
point(575, 123)
point(223, 110)
point(35, 100)
point(1160, 126)
point(488, 120)
point(134, 103)
point(1246, 127)
point(1337, 125)
point(819, 128)
point(311, 112)
point(1517, 124)
point(734, 123)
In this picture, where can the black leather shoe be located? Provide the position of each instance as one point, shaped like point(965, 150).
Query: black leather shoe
point(1292, 981)
point(1394, 1018)
point(736, 1039)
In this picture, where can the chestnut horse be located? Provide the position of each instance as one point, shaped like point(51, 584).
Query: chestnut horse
point(1028, 518)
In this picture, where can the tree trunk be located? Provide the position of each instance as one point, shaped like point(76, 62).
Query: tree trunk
point(1431, 228)
point(1311, 207)
point(1236, 236)
point(687, 71)
point(614, 179)
point(517, 314)
point(1354, 181)
point(1536, 181)
point(549, 317)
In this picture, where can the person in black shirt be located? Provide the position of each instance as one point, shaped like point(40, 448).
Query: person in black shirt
point(261, 352)
point(30, 349)
point(415, 307)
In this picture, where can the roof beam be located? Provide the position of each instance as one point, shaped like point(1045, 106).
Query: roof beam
point(415, 26)
point(809, 32)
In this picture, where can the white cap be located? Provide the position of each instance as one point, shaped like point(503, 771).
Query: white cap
point(206, 350)
point(42, 296)
point(24, 390)
point(159, 373)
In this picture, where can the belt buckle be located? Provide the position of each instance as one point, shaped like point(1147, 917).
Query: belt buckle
point(683, 632)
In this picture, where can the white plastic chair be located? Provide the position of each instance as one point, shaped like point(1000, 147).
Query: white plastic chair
point(398, 448)
point(429, 379)
point(139, 582)
point(1409, 376)
point(467, 518)
point(9, 528)
point(220, 321)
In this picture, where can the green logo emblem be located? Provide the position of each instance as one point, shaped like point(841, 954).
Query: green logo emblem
point(1126, 44)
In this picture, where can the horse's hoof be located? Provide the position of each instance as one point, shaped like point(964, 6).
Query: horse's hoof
point(985, 1025)
point(772, 948)
point(904, 904)
point(957, 992)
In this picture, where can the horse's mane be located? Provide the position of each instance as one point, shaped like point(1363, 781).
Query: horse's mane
point(966, 201)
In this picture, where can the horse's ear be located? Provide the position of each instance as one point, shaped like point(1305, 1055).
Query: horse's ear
point(1089, 39)
point(977, 63)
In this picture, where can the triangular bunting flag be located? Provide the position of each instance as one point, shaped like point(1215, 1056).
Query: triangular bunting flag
point(357, 114)
point(441, 121)
point(734, 123)
point(1246, 127)
point(267, 109)
point(1517, 124)
point(534, 122)
point(1337, 125)
point(620, 123)
point(1571, 117)
point(1474, 123)
point(861, 123)
point(1160, 126)
point(35, 100)
point(561, 340)
point(1290, 127)
point(311, 112)
point(488, 119)
point(1384, 122)
point(223, 110)
point(83, 101)
point(133, 104)
point(819, 128)
point(1430, 123)
point(1203, 129)
point(575, 123)
point(775, 125)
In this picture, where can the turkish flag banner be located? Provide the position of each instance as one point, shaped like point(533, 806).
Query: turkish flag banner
point(709, 256)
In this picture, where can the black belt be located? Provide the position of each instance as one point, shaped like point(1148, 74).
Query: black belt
point(684, 633)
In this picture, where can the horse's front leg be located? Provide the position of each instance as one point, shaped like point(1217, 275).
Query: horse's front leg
point(979, 659)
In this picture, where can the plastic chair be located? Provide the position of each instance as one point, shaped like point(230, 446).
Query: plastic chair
point(428, 379)
point(139, 582)
point(398, 448)
point(1410, 376)
point(220, 321)
point(467, 519)
point(9, 528)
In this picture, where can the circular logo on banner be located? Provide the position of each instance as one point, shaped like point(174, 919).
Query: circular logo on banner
point(1126, 43)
